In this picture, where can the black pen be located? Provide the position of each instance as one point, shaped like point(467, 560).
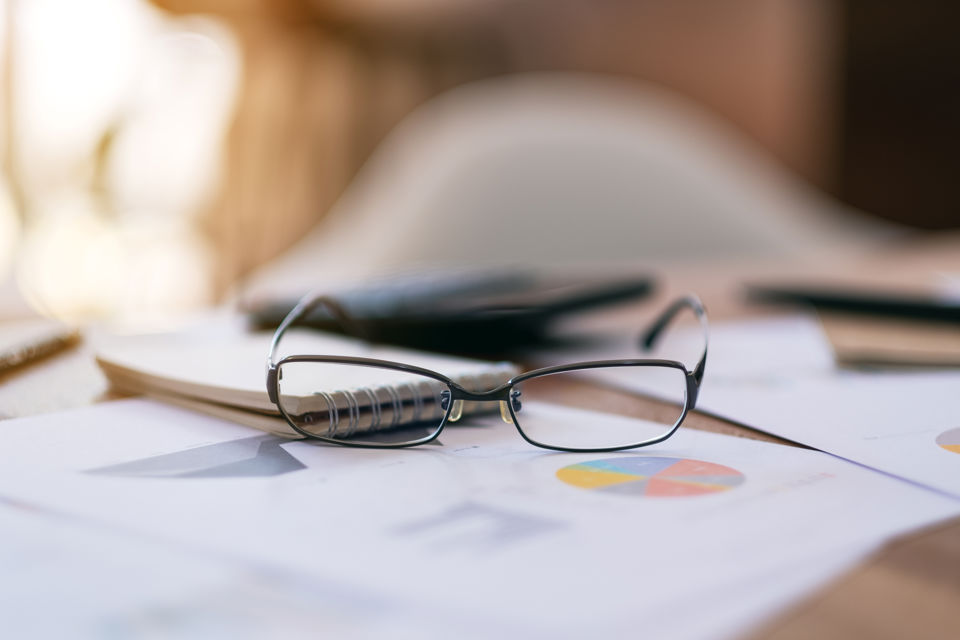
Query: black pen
point(858, 301)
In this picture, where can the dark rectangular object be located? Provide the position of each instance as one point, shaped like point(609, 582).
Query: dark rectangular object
point(478, 313)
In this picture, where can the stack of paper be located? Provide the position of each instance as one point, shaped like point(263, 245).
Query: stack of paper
point(481, 535)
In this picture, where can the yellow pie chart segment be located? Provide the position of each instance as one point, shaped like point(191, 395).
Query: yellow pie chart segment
point(950, 440)
point(587, 478)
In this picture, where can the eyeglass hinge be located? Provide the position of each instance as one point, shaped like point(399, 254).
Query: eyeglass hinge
point(272, 382)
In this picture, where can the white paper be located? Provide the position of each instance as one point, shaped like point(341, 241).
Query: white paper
point(64, 578)
point(778, 375)
point(477, 532)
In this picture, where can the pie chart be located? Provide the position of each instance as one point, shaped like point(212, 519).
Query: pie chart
point(950, 440)
point(653, 477)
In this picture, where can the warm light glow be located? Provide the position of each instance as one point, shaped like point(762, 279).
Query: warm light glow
point(9, 232)
point(71, 263)
point(166, 154)
point(75, 62)
point(120, 112)
point(77, 266)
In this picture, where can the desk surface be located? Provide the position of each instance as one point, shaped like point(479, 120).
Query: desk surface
point(911, 588)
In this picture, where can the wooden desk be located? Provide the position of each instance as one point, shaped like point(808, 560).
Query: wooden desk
point(911, 588)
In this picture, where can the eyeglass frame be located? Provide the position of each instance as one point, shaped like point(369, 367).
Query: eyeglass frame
point(504, 393)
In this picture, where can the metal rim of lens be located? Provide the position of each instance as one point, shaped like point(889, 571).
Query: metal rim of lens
point(684, 408)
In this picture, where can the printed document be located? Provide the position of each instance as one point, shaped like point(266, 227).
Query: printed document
point(778, 375)
point(701, 536)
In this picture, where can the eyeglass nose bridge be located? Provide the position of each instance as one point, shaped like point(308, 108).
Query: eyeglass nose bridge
point(458, 395)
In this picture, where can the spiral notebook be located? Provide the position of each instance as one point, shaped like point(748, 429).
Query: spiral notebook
point(224, 375)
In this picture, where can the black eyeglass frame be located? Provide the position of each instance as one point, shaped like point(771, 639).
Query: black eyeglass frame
point(504, 392)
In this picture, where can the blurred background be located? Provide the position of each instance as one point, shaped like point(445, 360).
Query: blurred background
point(155, 153)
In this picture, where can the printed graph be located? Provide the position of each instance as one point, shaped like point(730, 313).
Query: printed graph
point(257, 456)
point(950, 440)
point(478, 527)
point(654, 477)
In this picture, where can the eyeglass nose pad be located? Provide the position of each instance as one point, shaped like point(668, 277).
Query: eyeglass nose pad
point(457, 412)
point(505, 412)
point(515, 400)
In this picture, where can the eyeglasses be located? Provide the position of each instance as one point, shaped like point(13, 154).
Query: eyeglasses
point(367, 402)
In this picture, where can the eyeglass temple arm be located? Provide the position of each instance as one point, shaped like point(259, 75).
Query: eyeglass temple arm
point(650, 336)
point(347, 323)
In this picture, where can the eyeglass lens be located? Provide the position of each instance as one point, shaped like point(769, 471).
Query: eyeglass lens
point(550, 410)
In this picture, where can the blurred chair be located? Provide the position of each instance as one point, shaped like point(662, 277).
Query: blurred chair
point(564, 169)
